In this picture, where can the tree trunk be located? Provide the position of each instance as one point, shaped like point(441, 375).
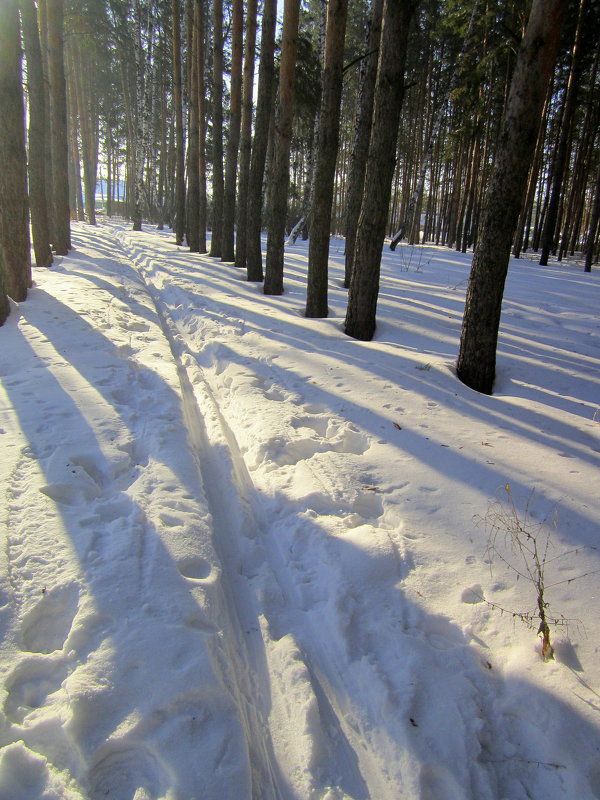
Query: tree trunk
point(83, 91)
point(280, 172)
point(264, 110)
point(179, 144)
point(592, 233)
point(216, 242)
point(535, 61)
point(193, 155)
point(327, 148)
point(14, 222)
point(37, 135)
point(200, 50)
point(233, 140)
point(58, 125)
point(389, 93)
point(564, 138)
point(246, 135)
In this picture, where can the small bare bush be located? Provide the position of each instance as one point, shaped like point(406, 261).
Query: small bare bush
point(525, 546)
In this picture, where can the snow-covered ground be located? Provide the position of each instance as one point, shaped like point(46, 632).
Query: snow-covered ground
point(245, 556)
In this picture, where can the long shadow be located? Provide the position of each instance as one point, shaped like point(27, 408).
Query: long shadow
point(123, 559)
point(291, 332)
point(543, 767)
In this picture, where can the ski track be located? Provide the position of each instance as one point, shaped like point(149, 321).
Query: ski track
point(318, 659)
point(266, 652)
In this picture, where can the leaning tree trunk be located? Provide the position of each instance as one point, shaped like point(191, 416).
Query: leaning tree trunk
point(14, 221)
point(327, 148)
point(37, 135)
point(280, 171)
point(58, 125)
point(389, 93)
point(476, 365)
point(264, 109)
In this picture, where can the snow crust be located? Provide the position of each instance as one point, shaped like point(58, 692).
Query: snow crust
point(245, 556)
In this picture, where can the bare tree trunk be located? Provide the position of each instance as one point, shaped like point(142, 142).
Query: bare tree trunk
point(246, 135)
point(179, 144)
point(280, 172)
point(200, 51)
point(327, 148)
point(193, 155)
point(233, 140)
point(592, 233)
point(476, 365)
point(216, 242)
point(37, 135)
point(562, 148)
point(58, 120)
point(14, 202)
point(264, 109)
point(389, 94)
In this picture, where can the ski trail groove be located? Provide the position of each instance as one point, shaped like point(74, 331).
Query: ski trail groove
point(348, 739)
point(235, 655)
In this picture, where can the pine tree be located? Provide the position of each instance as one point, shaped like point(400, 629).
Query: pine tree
point(476, 365)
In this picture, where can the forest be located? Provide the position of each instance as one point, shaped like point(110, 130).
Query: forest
point(471, 125)
point(299, 399)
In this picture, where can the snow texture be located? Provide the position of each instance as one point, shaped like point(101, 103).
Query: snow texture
point(246, 556)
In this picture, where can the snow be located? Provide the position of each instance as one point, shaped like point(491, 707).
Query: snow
point(246, 556)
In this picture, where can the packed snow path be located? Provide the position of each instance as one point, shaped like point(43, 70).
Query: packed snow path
point(240, 554)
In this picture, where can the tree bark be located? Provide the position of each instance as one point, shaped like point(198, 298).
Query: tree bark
point(193, 155)
point(389, 93)
point(216, 242)
point(200, 50)
point(233, 140)
point(179, 144)
point(535, 61)
point(327, 148)
point(562, 148)
point(14, 202)
point(246, 135)
point(37, 135)
point(58, 125)
point(280, 171)
point(592, 232)
point(264, 110)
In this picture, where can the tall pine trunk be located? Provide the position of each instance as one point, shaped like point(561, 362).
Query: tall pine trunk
point(193, 155)
point(216, 242)
point(58, 126)
point(37, 135)
point(362, 132)
point(280, 172)
point(389, 94)
point(179, 144)
point(264, 109)
point(245, 134)
point(563, 144)
point(476, 364)
point(233, 140)
point(327, 148)
point(14, 202)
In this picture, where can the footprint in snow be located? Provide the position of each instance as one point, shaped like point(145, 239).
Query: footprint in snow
point(46, 627)
point(128, 772)
point(30, 683)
